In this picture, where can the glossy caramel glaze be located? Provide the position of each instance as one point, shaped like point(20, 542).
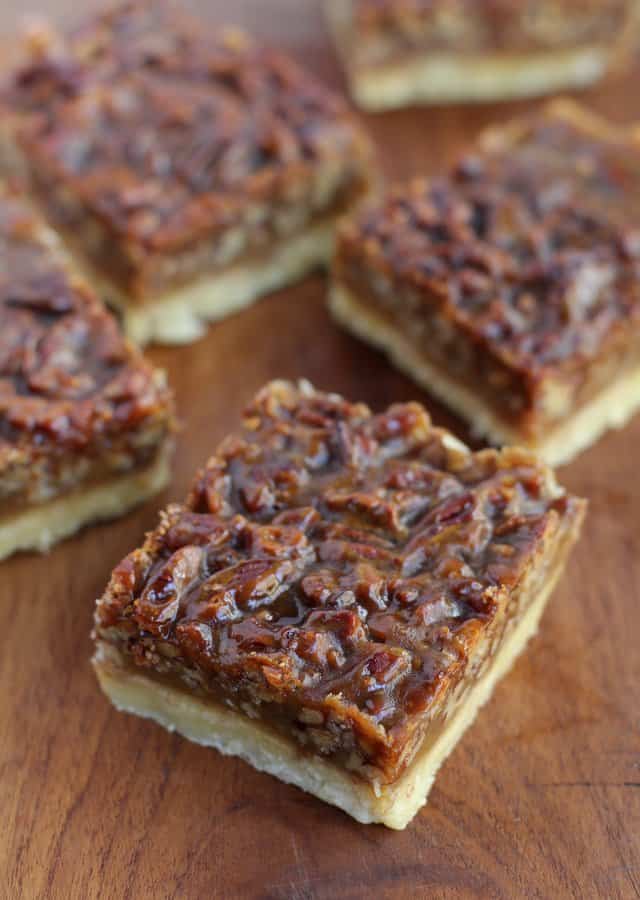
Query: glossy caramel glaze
point(72, 390)
point(529, 249)
point(166, 130)
point(334, 569)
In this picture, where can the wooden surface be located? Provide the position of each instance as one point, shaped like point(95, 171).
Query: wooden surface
point(542, 797)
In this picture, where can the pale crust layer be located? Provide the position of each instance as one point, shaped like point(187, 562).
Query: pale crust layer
point(40, 527)
point(211, 724)
point(612, 408)
point(442, 79)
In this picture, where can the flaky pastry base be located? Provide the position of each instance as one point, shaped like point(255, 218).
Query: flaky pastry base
point(134, 690)
point(611, 409)
point(40, 527)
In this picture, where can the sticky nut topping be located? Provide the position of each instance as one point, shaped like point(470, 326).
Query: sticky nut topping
point(166, 129)
point(468, 25)
point(334, 567)
point(528, 249)
point(68, 379)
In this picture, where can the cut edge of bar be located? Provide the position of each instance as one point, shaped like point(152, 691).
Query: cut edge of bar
point(180, 316)
point(40, 526)
point(611, 409)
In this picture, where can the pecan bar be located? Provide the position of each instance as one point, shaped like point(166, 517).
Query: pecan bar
point(510, 288)
point(337, 596)
point(85, 421)
point(191, 169)
point(398, 52)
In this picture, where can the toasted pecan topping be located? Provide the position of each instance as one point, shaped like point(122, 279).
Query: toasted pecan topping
point(69, 382)
point(463, 25)
point(529, 246)
point(334, 564)
point(166, 128)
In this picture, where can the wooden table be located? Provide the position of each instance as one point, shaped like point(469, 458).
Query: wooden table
point(542, 797)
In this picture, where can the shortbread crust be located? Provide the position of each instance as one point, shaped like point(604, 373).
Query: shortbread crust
point(439, 80)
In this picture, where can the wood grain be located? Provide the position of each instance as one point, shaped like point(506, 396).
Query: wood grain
point(541, 799)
